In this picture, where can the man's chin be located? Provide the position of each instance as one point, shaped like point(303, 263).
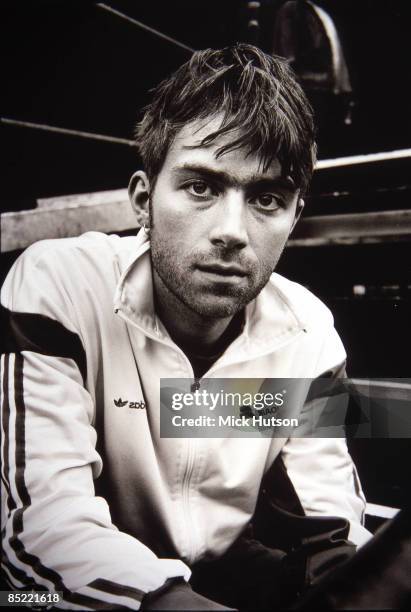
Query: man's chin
point(216, 307)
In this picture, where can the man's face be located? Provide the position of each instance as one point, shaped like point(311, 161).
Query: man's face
point(218, 226)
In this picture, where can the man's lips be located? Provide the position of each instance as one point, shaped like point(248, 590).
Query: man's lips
point(223, 269)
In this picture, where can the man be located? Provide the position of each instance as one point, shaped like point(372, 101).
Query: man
point(228, 149)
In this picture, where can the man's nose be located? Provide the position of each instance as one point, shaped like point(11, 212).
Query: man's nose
point(229, 228)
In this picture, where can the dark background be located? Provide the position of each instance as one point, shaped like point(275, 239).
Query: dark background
point(70, 64)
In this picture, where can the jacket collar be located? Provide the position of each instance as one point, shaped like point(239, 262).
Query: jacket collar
point(270, 319)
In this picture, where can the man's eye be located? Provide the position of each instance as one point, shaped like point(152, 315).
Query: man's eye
point(267, 201)
point(199, 188)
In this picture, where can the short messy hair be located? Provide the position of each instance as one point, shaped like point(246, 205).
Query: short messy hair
point(262, 105)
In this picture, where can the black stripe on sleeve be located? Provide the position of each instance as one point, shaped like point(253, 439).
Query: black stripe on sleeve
point(20, 433)
point(117, 589)
point(16, 544)
point(5, 423)
point(23, 331)
point(19, 575)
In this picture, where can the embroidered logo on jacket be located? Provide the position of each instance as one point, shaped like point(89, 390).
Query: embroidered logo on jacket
point(135, 405)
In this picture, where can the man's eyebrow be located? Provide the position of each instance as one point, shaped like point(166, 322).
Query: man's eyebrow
point(253, 181)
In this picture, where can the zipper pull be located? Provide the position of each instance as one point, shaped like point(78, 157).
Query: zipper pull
point(196, 384)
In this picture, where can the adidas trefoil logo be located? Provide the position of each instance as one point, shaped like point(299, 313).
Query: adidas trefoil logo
point(120, 402)
point(136, 405)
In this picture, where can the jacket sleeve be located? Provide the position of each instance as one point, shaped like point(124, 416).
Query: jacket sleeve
point(57, 534)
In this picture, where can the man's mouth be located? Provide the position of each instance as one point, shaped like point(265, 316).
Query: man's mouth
point(222, 269)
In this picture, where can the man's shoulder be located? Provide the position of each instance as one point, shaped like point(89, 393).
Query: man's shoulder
point(90, 246)
point(306, 306)
point(92, 252)
point(67, 266)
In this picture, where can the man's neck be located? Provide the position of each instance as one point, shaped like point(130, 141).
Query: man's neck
point(188, 329)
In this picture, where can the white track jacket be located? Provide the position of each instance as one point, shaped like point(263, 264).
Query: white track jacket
point(70, 354)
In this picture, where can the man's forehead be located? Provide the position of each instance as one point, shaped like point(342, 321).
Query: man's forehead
point(187, 150)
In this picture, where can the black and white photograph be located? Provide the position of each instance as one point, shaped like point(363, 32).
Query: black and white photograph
point(205, 305)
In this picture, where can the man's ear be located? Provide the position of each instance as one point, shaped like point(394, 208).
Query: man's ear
point(299, 210)
point(139, 194)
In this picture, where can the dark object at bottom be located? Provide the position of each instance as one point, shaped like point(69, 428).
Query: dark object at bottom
point(253, 576)
point(378, 577)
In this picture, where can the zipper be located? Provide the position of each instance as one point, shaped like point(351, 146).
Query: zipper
point(189, 523)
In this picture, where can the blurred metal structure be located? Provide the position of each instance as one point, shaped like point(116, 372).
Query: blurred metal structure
point(306, 35)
